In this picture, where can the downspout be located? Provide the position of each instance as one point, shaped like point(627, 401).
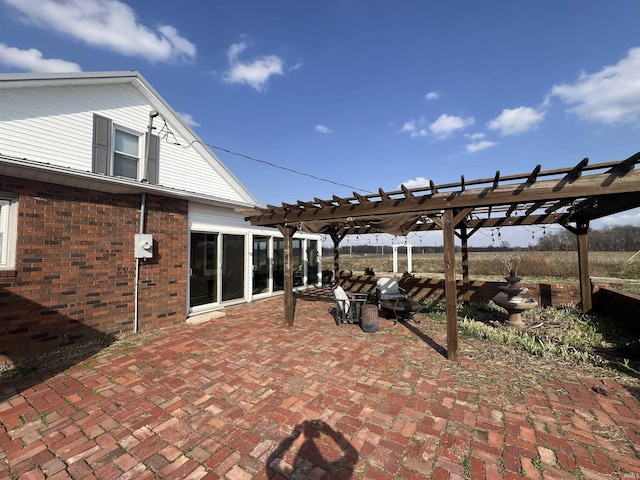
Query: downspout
point(143, 211)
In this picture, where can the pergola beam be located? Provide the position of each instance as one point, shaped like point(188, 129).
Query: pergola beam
point(567, 189)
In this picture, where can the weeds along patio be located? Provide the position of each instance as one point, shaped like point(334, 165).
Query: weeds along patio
point(241, 397)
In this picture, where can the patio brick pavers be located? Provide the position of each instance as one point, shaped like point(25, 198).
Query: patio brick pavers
point(243, 397)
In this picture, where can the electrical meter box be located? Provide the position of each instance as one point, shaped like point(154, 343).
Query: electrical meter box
point(144, 245)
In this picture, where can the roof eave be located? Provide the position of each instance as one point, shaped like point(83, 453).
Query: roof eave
point(48, 173)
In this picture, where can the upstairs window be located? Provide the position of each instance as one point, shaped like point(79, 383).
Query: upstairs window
point(8, 229)
point(126, 154)
point(118, 151)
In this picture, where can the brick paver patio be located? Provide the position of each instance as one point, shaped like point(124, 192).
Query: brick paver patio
point(242, 397)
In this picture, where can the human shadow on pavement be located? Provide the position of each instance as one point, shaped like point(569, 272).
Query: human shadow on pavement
point(313, 450)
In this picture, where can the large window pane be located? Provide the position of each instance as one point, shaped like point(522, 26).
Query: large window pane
point(233, 256)
point(312, 269)
point(124, 166)
point(126, 143)
point(260, 264)
point(298, 262)
point(4, 231)
point(204, 274)
point(278, 264)
point(125, 156)
point(8, 228)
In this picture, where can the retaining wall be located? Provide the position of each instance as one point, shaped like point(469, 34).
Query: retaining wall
point(546, 294)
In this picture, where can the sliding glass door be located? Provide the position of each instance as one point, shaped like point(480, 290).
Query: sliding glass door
point(313, 260)
point(217, 268)
point(261, 264)
point(203, 281)
point(233, 256)
point(278, 264)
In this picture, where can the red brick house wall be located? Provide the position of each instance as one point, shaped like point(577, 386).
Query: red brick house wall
point(74, 276)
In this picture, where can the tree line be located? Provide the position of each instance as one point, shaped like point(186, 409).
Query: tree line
point(622, 238)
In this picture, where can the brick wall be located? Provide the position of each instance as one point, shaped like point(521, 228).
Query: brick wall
point(75, 269)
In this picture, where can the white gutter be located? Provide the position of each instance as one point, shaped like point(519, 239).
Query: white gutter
point(48, 173)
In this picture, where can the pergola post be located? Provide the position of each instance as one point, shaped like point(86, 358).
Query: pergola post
point(289, 312)
point(450, 285)
point(583, 266)
point(466, 281)
point(336, 255)
point(581, 231)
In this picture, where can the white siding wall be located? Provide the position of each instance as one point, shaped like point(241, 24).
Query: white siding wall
point(205, 218)
point(54, 125)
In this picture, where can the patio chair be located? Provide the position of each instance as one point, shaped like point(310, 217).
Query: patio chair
point(348, 309)
point(392, 300)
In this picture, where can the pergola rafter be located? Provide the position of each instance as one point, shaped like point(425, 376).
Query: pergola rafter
point(571, 196)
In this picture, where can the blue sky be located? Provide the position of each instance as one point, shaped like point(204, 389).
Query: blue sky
point(365, 93)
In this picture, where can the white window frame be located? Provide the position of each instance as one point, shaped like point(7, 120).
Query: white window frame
point(141, 140)
point(8, 231)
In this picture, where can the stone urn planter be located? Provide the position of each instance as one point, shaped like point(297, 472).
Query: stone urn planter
point(513, 302)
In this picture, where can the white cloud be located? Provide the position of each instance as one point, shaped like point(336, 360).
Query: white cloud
point(414, 128)
point(295, 67)
point(409, 126)
point(516, 120)
point(475, 136)
point(611, 95)
point(188, 119)
point(323, 129)
point(255, 73)
point(180, 44)
point(32, 61)
point(446, 125)
point(478, 142)
point(479, 145)
point(108, 24)
point(417, 182)
point(432, 96)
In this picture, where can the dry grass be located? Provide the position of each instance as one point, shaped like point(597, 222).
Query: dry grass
point(562, 333)
point(556, 267)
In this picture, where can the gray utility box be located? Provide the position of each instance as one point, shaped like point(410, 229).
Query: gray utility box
point(144, 245)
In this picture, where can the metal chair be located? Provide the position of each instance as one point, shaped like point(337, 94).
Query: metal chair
point(348, 309)
point(392, 299)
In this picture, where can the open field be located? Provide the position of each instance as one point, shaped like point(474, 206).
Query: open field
point(558, 267)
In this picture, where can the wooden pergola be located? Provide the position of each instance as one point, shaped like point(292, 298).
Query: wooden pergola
point(571, 197)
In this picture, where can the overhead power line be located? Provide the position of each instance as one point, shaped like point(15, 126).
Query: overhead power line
point(166, 133)
point(287, 169)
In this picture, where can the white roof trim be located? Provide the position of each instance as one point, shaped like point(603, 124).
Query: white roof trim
point(34, 80)
point(47, 173)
